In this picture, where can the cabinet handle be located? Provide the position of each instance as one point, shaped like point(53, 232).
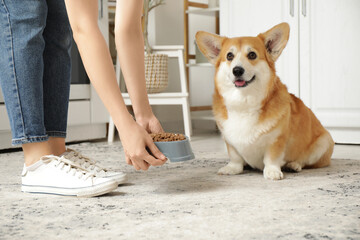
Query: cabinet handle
point(303, 11)
point(292, 8)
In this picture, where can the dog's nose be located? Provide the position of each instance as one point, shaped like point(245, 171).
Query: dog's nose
point(238, 71)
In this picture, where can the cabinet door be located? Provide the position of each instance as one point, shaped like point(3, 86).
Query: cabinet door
point(251, 17)
point(329, 65)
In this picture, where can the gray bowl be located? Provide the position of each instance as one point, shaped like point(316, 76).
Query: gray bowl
point(176, 151)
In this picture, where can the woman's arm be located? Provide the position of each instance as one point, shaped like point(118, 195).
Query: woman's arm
point(130, 46)
point(83, 16)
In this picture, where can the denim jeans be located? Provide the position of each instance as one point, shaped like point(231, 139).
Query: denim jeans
point(35, 65)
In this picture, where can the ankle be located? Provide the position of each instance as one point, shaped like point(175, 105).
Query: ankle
point(57, 145)
point(34, 151)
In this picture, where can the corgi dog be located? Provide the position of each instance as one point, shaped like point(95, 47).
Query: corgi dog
point(263, 125)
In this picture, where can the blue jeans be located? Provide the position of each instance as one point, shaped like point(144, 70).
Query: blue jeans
point(35, 65)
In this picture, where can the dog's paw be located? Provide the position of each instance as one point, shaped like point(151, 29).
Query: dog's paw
point(294, 166)
point(273, 173)
point(231, 169)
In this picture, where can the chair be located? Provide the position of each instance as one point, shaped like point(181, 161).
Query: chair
point(164, 98)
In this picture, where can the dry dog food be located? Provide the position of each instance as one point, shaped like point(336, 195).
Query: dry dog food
point(167, 137)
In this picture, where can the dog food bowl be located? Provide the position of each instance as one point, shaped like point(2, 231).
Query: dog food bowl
point(176, 151)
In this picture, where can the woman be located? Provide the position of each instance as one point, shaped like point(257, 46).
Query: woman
point(35, 81)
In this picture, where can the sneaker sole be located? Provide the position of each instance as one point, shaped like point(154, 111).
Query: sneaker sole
point(93, 191)
point(119, 180)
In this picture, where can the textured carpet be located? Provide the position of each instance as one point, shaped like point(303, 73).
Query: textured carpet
point(188, 201)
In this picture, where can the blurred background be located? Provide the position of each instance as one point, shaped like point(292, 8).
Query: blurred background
point(319, 64)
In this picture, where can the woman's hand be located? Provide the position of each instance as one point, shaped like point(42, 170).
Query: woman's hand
point(150, 124)
point(136, 141)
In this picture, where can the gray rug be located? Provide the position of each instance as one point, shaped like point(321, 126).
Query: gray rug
point(188, 201)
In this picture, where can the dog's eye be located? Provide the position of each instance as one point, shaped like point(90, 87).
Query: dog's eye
point(230, 56)
point(252, 55)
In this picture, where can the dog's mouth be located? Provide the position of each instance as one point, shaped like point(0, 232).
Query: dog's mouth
point(239, 82)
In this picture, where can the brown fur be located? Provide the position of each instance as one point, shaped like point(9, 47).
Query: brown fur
point(301, 136)
point(219, 106)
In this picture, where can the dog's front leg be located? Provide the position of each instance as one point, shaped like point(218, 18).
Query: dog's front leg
point(236, 164)
point(274, 160)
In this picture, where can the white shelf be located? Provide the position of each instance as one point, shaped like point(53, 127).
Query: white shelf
point(112, 3)
point(162, 95)
point(166, 98)
point(199, 65)
point(112, 7)
point(168, 47)
point(205, 11)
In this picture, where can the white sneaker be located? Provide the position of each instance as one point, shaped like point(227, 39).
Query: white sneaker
point(58, 175)
point(93, 167)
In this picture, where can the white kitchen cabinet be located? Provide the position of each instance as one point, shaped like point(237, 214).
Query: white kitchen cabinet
point(320, 63)
point(329, 64)
point(251, 17)
point(87, 116)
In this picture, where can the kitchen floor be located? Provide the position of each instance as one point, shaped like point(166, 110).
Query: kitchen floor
point(190, 201)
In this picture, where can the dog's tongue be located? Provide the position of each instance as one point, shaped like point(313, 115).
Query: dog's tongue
point(240, 83)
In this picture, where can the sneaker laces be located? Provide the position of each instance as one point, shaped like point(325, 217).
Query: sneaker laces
point(69, 166)
point(85, 162)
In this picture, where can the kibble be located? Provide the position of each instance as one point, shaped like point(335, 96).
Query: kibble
point(167, 137)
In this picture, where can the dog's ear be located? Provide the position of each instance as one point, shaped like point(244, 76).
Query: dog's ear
point(276, 39)
point(209, 44)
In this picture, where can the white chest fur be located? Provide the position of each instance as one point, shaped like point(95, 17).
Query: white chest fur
point(248, 137)
point(242, 128)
